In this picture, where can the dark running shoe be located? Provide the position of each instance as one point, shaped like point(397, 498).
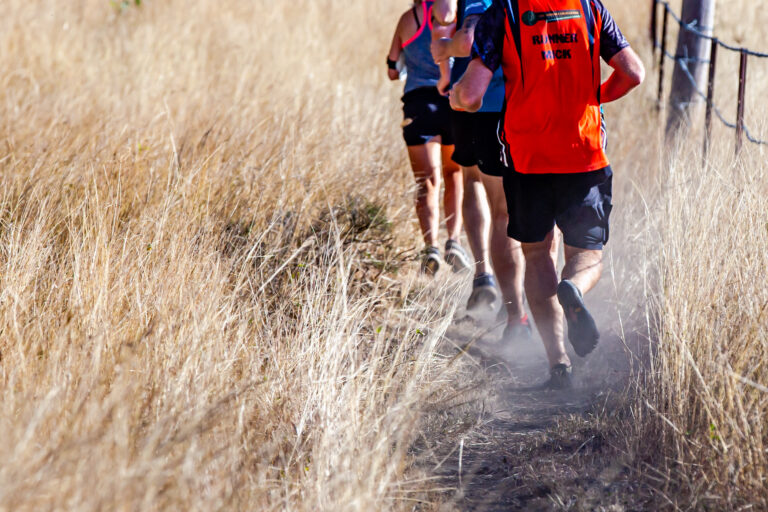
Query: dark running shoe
point(430, 261)
point(582, 330)
point(559, 378)
point(456, 256)
point(518, 332)
point(484, 294)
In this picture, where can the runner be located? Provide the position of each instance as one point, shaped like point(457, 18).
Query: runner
point(478, 151)
point(550, 53)
point(426, 130)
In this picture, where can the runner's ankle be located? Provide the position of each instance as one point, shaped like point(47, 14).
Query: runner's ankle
point(515, 319)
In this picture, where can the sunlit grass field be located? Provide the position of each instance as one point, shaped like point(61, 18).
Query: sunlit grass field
point(208, 296)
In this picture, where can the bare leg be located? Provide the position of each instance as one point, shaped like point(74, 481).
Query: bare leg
point(425, 162)
point(476, 217)
point(454, 194)
point(580, 274)
point(583, 267)
point(540, 288)
point(506, 253)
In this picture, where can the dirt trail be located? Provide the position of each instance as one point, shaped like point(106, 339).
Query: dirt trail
point(534, 449)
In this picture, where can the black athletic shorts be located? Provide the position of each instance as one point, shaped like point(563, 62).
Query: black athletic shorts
point(426, 115)
point(477, 141)
point(579, 203)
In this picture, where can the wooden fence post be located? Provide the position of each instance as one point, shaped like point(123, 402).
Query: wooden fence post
point(654, 24)
point(710, 96)
point(663, 55)
point(742, 94)
point(690, 72)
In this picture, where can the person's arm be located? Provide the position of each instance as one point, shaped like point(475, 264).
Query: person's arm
point(614, 49)
point(628, 73)
point(487, 51)
point(444, 11)
point(440, 32)
point(467, 94)
point(395, 50)
point(460, 45)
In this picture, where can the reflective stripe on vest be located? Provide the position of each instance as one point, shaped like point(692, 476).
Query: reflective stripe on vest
point(551, 63)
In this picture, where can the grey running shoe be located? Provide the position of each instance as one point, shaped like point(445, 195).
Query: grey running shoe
point(430, 262)
point(484, 294)
point(518, 333)
point(559, 378)
point(582, 330)
point(456, 256)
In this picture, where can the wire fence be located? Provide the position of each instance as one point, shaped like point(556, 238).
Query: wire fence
point(683, 61)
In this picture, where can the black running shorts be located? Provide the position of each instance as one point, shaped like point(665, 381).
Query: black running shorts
point(477, 141)
point(579, 203)
point(426, 115)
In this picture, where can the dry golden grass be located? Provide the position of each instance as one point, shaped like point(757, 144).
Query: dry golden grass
point(190, 317)
point(703, 402)
point(709, 384)
point(206, 303)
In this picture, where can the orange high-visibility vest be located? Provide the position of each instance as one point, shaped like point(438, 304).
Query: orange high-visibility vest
point(551, 63)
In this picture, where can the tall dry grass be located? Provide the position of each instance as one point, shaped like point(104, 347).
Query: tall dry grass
point(202, 218)
point(710, 388)
point(699, 423)
point(205, 294)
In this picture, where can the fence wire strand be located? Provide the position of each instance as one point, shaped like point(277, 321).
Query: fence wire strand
point(689, 27)
point(718, 113)
point(683, 61)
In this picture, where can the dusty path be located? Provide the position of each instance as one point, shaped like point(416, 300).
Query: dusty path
point(533, 449)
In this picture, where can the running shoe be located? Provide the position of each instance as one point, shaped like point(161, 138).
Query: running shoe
point(501, 316)
point(430, 262)
point(456, 256)
point(484, 294)
point(559, 378)
point(518, 332)
point(582, 330)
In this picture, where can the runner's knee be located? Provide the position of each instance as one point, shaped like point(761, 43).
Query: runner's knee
point(540, 251)
point(536, 252)
point(427, 185)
